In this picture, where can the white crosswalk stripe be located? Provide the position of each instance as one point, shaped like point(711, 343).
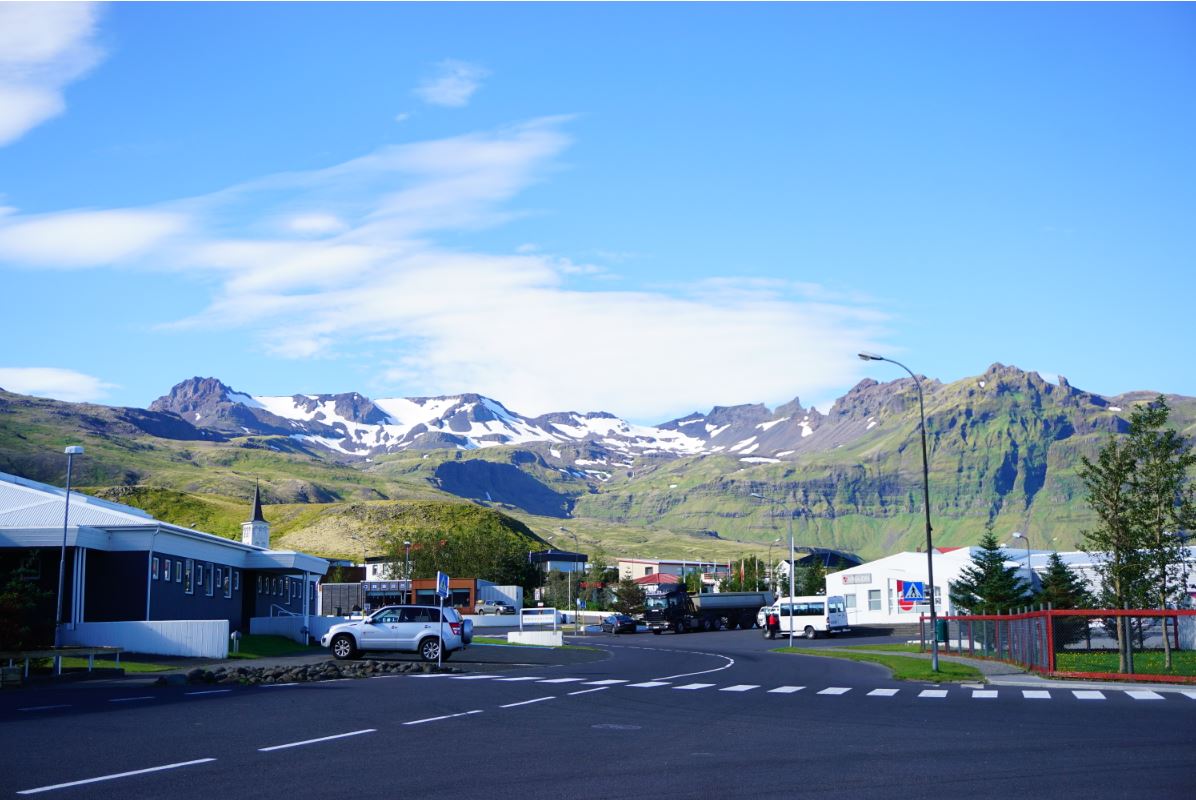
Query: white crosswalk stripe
point(472, 677)
point(562, 680)
point(648, 684)
point(1036, 694)
point(609, 682)
point(883, 692)
point(1141, 694)
point(786, 689)
point(1088, 694)
point(740, 687)
point(984, 694)
point(1190, 693)
point(836, 690)
point(523, 678)
point(933, 693)
point(693, 686)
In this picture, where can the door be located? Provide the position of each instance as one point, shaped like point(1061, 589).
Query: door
point(383, 631)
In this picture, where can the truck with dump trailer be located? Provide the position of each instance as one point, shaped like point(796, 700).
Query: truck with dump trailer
point(680, 612)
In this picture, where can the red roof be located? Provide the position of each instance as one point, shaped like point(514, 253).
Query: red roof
point(657, 579)
point(947, 549)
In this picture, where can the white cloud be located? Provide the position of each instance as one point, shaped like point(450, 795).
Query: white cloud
point(84, 238)
point(368, 262)
point(402, 117)
point(43, 47)
point(60, 384)
point(453, 85)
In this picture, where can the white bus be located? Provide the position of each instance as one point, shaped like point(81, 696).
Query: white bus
point(808, 616)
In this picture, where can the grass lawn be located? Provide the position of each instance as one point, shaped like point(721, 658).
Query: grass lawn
point(1149, 662)
point(108, 663)
point(269, 646)
point(903, 668)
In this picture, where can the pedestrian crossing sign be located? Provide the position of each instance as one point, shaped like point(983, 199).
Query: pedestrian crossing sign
point(910, 595)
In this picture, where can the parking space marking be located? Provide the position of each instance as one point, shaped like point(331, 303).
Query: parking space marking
point(786, 689)
point(1036, 694)
point(836, 690)
point(443, 716)
point(933, 693)
point(40, 789)
point(692, 686)
point(209, 691)
point(44, 708)
point(740, 687)
point(528, 702)
point(984, 694)
point(1083, 694)
point(608, 682)
point(648, 684)
point(314, 741)
point(587, 691)
point(883, 692)
point(562, 680)
point(1143, 694)
point(131, 699)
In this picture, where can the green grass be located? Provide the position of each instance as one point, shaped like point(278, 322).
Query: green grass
point(491, 640)
point(903, 668)
point(1149, 662)
point(271, 646)
point(127, 666)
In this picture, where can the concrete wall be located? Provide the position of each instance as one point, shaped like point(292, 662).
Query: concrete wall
point(200, 638)
point(552, 638)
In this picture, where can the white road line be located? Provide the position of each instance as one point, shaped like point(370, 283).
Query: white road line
point(40, 789)
point(131, 699)
point(1143, 694)
point(692, 686)
point(296, 683)
point(786, 689)
point(44, 708)
point(313, 741)
point(562, 680)
point(1036, 694)
point(984, 694)
point(421, 675)
point(444, 716)
point(730, 663)
point(608, 682)
point(647, 684)
point(1190, 693)
point(932, 693)
point(587, 691)
point(372, 676)
point(1084, 694)
point(526, 678)
point(740, 687)
point(836, 690)
point(883, 692)
point(472, 677)
point(209, 691)
point(528, 702)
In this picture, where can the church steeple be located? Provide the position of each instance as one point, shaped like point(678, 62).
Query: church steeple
point(256, 531)
point(257, 504)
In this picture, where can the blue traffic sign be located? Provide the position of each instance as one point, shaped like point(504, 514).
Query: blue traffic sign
point(913, 592)
point(442, 584)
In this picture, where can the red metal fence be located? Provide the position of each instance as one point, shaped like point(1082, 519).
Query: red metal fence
point(1061, 642)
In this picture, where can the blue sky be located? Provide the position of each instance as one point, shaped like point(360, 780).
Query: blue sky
point(644, 209)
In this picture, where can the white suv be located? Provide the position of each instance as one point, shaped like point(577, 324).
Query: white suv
point(409, 629)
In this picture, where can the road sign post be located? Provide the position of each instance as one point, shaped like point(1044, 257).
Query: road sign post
point(442, 591)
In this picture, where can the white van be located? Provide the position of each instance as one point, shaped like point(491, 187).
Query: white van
point(809, 616)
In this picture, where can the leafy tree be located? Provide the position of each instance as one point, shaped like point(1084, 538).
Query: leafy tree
point(19, 601)
point(746, 576)
point(693, 581)
point(490, 546)
point(629, 597)
point(561, 589)
point(987, 586)
point(813, 578)
point(598, 578)
point(1062, 589)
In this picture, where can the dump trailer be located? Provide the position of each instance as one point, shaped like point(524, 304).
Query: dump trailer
point(680, 612)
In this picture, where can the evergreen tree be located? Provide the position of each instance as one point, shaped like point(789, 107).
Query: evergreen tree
point(1062, 589)
point(988, 586)
point(629, 597)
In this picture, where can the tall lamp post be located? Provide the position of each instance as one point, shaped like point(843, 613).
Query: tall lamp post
point(772, 576)
point(934, 634)
point(407, 570)
point(791, 566)
point(71, 452)
point(1026, 541)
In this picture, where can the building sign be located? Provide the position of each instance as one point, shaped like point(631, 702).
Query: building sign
point(859, 577)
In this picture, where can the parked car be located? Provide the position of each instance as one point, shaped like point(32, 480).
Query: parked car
point(405, 629)
point(618, 623)
point(494, 607)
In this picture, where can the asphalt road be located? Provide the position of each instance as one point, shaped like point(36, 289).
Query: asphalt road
point(702, 715)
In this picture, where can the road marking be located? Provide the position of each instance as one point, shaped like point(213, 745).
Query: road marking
point(608, 682)
point(313, 741)
point(528, 702)
point(1082, 694)
point(740, 687)
point(730, 663)
point(1191, 693)
point(422, 675)
point(786, 689)
point(1143, 694)
point(526, 678)
point(648, 684)
point(883, 692)
point(472, 677)
point(444, 716)
point(296, 683)
point(372, 676)
point(209, 691)
point(562, 680)
point(115, 776)
point(984, 694)
point(933, 693)
point(835, 690)
point(692, 686)
point(1036, 694)
point(131, 699)
point(44, 708)
point(587, 691)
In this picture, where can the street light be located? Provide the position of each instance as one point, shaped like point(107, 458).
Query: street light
point(1026, 542)
point(791, 569)
point(934, 636)
point(71, 452)
point(407, 570)
point(772, 578)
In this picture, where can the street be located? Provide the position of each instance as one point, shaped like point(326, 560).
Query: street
point(701, 715)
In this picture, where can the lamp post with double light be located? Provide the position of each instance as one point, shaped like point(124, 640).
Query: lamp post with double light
point(71, 452)
point(934, 638)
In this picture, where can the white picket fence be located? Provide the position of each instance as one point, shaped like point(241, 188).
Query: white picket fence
point(198, 638)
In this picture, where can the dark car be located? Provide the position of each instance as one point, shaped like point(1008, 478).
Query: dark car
point(618, 623)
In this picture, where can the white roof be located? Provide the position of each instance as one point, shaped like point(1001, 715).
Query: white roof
point(28, 504)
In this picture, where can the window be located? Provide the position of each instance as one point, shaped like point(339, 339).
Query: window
point(874, 599)
point(178, 571)
point(287, 581)
point(154, 568)
point(259, 584)
point(219, 577)
point(274, 586)
point(647, 571)
point(236, 581)
point(228, 583)
point(207, 585)
point(189, 577)
point(835, 607)
point(849, 599)
point(198, 574)
point(166, 570)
